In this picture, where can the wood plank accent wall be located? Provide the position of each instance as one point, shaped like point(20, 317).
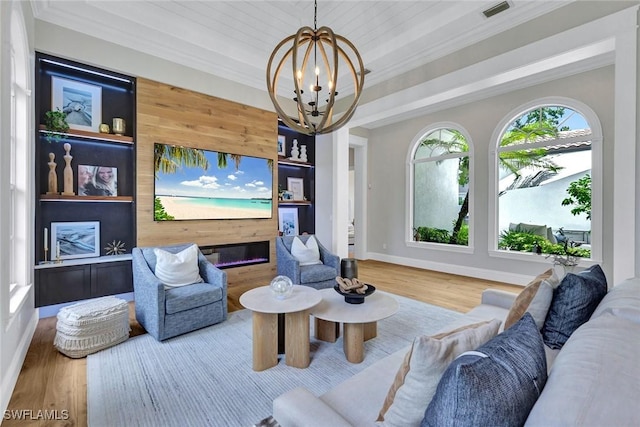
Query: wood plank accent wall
point(173, 115)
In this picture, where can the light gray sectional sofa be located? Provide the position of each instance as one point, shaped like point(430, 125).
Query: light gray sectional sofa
point(593, 380)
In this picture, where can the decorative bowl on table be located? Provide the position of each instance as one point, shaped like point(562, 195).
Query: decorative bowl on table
point(353, 297)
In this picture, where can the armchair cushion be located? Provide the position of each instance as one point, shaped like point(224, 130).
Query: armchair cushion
point(187, 297)
point(317, 273)
point(306, 254)
point(178, 269)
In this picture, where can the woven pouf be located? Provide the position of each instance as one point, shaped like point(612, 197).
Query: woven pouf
point(90, 326)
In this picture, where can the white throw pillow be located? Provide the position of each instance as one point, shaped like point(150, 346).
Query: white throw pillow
point(418, 377)
point(308, 254)
point(178, 269)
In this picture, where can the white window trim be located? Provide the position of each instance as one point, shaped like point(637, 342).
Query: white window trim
point(409, 242)
point(14, 291)
point(596, 176)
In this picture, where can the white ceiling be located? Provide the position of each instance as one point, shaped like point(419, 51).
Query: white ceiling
point(233, 39)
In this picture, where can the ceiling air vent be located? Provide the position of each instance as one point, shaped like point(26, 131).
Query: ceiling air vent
point(494, 10)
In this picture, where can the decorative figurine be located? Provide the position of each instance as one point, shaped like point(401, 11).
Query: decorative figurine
point(303, 153)
point(53, 177)
point(68, 172)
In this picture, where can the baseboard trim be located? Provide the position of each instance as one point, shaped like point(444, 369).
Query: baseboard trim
point(480, 273)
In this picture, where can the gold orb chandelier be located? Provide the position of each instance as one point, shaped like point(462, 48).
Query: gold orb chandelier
point(320, 51)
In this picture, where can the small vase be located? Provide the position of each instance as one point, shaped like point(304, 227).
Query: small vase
point(295, 153)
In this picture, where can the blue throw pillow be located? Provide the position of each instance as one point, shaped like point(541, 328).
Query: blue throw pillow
point(573, 303)
point(495, 385)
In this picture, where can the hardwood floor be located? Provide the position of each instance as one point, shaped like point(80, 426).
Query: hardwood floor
point(52, 382)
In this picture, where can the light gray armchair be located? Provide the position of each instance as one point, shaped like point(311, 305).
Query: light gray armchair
point(166, 313)
point(316, 276)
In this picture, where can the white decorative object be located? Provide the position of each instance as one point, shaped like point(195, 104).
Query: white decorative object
point(295, 153)
point(306, 254)
point(303, 153)
point(281, 287)
point(90, 326)
point(178, 269)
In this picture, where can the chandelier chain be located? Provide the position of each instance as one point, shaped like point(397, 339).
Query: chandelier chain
point(315, 14)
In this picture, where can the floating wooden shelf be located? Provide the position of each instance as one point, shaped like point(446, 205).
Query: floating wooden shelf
point(93, 135)
point(295, 202)
point(65, 198)
point(287, 161)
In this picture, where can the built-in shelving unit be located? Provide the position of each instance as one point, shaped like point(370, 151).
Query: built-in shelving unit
point(93, 91)
point(289, 167)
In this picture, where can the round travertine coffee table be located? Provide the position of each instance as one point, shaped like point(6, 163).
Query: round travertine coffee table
point(359, 320)
point(266, 309)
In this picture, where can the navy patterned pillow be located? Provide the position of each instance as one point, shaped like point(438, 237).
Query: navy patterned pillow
point(495, 385)
point(573, 303)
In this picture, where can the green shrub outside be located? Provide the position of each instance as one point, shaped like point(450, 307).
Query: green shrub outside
point(525, 242)
point(439, 235)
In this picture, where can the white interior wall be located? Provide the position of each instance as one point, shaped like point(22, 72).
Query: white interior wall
point(388, 148)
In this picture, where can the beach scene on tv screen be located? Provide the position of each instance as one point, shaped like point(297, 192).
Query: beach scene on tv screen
point(201, 184)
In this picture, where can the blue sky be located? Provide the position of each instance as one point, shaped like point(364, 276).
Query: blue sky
point(253, 179)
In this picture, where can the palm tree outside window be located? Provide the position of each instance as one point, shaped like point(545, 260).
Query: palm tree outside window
point(544, 182)
point(440, 169)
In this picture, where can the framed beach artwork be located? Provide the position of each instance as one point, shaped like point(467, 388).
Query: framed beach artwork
point(296, 186)
point(97, 181)
point(288, 221)
point(81, 102)
point(75, 239)
point(282, 145)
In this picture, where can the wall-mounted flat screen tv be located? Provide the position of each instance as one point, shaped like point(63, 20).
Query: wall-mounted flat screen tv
point(193, 184)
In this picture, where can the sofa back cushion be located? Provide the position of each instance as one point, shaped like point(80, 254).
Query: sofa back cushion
point(573, 303)
point(594, 379)
point(495, 385)
point(623, 298)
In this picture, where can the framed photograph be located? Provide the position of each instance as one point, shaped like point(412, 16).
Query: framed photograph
point(288, 221)
point(81, 102)
point(282, 145)
point(97, 181)
point(296, 186)
point(75, 239)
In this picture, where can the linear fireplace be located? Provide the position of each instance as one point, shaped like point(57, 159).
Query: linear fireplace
point(237, 254)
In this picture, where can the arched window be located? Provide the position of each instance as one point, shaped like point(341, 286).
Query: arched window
point(439, 186)
point(547, 179)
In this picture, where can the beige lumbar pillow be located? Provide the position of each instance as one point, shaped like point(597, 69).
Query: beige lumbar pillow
point(535, 298)
point(178, 269)
point(417, 379)
point(306, 254)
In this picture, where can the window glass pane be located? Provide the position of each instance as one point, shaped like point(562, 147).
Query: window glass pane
point(544, 192)
point(439, 142)
point(438, 199)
